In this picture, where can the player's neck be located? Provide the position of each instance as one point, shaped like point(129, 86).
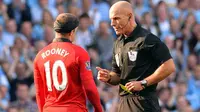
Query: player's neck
point(58, 36)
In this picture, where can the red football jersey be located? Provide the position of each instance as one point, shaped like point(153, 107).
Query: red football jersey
point(59, 70)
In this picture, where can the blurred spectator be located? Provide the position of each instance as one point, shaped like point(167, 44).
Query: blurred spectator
point(164, 97)
point(175, 47)
point(4, 97)
point(2, 45)
point(38, 29)
point(196, 36)
point(95, 17)
point(171, 3)
point(60, 8)
point(39, 45)
point(47, 18)
point(190, 21)
point(23, 69)
point(83, 35)
point(175, 28)
point(147, 23)
point(104, 41)
point(94, 58)
point(3, 13)
point(183, 105)
point(32, 93)
point(12, 109)
point(19, 11)
point(37, 11)
point(26, 30)
point(179, 53)
point(23, 101)
point(162, 21)
point(197, 10)
point(8, 36)
point(181, 11)
point(140, 9)
point(74, 10)
point(192, 62)
point(193, 88)
point(48, 34)
point(194, 81)
point(103, 8)
point(3, 78)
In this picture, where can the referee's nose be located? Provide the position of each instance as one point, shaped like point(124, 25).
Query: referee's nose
point(113, 23)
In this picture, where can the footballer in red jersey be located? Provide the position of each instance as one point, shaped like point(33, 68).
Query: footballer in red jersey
point(62, 73)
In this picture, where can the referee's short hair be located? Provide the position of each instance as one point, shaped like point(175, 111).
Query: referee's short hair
point(65, 23)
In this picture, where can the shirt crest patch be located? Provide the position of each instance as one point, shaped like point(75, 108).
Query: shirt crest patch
point(132, 55)
point(87, 65)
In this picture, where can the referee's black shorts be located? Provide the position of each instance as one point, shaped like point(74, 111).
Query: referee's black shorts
point(139, 103)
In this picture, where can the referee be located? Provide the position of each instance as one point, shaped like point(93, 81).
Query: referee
point(140, 61)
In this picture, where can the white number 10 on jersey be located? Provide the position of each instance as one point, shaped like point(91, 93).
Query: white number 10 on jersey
point(57, 64)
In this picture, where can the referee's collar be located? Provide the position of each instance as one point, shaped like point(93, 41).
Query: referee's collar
point(61, 40)
point(133, 33)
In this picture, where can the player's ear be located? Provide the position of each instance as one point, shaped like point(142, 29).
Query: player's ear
point(71, 33)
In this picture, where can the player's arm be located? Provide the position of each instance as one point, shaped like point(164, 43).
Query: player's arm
point(161, 54)
point(163, 71)
point(39, 88)
point(88, 81)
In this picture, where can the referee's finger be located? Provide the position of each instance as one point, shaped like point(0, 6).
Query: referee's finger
point(103, 73)
point(131, 88)
point(106, 70)
point(129, 83)
point(99, 68)
point(102, 79)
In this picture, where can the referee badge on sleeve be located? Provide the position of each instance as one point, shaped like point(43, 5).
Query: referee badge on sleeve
point(87, 65)
point(132, 55)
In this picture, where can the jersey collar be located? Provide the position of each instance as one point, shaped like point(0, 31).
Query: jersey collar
point(133, 33)
point(61, 40)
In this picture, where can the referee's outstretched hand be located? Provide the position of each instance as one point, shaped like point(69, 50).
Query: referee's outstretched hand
point(103, 74)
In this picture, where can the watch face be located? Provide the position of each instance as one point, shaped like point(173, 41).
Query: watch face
point(144, 82)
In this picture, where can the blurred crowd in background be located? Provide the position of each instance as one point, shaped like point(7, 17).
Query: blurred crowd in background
point(26, 26)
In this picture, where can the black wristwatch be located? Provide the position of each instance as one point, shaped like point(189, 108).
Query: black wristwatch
point(144, 83)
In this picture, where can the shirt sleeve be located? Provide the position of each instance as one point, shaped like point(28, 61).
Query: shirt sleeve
point(39, 88)
point(88, 81)
point(158, 49)
point(115, 64)
point(84, 65)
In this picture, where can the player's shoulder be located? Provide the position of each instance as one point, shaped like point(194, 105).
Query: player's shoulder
point(79, 50)
point(38, 55)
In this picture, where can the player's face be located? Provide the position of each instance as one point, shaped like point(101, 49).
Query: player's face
point(119, 21)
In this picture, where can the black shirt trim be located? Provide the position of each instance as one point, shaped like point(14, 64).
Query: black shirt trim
point(61, 40)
